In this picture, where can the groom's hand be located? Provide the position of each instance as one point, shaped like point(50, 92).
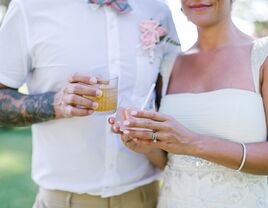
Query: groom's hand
point(73, 99)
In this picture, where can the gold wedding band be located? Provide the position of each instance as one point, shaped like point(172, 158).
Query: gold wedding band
point(154, 137)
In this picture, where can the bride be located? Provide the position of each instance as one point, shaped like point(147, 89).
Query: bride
point(212, 119)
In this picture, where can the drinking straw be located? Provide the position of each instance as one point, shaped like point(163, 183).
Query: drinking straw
point(148, 97)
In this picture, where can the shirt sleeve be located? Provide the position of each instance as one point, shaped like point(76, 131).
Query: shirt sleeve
point(15, 61)
point(172, 42)
point(171, 50)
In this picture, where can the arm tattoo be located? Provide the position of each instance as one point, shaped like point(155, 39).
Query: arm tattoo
point(22, 110)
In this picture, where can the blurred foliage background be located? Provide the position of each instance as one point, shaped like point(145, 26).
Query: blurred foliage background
point(16, 188)
point(255, 13)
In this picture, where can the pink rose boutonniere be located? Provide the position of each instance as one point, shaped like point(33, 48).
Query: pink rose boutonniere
point(152, 33)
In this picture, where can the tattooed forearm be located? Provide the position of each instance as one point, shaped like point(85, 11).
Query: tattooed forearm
point(21, 110)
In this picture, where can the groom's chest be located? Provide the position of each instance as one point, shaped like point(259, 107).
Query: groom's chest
point(88, 36)
point(65, 42)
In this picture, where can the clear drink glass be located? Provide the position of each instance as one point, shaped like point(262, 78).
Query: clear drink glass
point(123, 114)
point(109, 87)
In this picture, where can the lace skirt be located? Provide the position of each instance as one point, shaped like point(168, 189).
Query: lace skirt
point(190, 182)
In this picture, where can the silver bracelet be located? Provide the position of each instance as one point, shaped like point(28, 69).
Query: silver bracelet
point(244, 157)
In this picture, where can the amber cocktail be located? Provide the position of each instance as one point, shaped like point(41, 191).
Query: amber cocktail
point(108, 101)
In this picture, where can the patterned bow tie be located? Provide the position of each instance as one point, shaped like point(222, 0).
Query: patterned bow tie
point(120, 6)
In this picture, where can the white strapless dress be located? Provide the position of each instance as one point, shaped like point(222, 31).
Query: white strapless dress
point(231, 114)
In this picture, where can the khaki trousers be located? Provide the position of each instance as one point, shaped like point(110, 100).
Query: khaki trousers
point(142, 197)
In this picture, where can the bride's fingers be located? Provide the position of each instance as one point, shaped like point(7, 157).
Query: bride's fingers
point(145, 135)
point(116, 129)
point(125, 138)
point(155, 116)
point(111, 120)
point(144, 123)
point(143, 142)
point(114, 125)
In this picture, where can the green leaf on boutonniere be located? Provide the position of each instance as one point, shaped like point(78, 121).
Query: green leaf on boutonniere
point(162, 38)
point(172, 42)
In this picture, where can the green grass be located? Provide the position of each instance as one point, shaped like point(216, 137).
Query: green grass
point(16, 187)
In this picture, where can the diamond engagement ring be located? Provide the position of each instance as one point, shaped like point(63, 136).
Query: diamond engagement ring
point(154, 137)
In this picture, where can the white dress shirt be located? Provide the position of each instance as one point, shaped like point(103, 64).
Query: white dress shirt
point(43, 42)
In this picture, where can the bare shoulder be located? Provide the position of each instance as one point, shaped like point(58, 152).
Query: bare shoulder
point(180, 60)
point(186, 56)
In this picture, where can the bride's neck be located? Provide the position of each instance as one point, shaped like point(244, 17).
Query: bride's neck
point(220, 35)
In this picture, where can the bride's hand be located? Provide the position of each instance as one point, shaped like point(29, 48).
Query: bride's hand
point(130, 143)
point(166, 133)
point(134, 145)
point(114, 126)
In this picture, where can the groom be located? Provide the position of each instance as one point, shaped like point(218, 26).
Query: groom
point(54, 46)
